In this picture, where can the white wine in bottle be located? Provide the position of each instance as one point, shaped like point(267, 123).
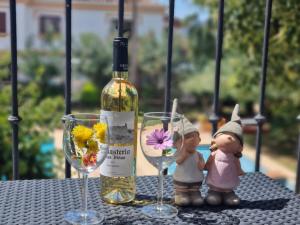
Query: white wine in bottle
point(119, 101)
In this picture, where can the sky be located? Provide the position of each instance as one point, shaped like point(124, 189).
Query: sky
point(184, 8)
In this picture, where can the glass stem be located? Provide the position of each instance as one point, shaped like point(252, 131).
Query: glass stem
point(160, 193)
point(84, 194)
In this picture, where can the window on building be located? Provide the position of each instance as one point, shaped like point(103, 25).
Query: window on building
point(2, 22)
point(50, 25)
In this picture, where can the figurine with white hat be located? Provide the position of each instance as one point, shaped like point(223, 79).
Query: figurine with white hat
point(223, 165)
point(188, 175)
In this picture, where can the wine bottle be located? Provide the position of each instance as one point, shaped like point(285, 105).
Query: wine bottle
point(119, 101)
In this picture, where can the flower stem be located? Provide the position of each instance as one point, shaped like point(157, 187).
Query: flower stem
point(84, 194)
point(160, 191)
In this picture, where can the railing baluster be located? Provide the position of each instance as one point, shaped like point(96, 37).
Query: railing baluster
point(68, 6)
point(260, 118)
point(121, 18)
point(14, 118)
point(168, 77)
point(214, 118)
point(297, 188)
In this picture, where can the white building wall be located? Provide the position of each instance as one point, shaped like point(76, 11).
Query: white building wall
point(22, 26)
point(150, 22)
point(90, 21)
point(83, 21)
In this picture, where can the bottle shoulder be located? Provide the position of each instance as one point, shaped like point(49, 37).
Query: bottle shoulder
point(115, 85)
point(119, 95)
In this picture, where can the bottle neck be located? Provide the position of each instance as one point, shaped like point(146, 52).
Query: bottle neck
point(120, 57)
point(120, 75)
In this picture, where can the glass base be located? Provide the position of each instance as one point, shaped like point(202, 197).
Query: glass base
point(160, 211)
point(79, 217)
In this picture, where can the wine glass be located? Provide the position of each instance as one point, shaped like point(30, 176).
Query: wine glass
point(85, 144)
point(160, 140)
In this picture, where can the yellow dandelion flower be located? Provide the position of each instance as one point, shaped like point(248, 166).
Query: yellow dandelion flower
point(81, 135)
point(79, 144)
point(92, 146)
point(100, 129)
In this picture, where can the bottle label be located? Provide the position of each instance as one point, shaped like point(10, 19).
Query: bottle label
point(119, 161)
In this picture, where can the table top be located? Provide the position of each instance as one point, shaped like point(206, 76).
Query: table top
point(264, 201)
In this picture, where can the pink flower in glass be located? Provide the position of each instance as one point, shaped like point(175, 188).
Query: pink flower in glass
point(160, 139)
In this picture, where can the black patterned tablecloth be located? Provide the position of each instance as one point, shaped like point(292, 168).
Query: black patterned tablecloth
point(264, 202)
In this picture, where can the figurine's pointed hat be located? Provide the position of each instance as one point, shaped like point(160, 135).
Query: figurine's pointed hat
point(233, 126)
point(184, 128)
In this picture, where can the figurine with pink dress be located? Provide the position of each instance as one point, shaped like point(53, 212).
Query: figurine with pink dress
point(223, 164)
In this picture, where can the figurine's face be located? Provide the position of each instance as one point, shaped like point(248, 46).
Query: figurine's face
point(191, 141)
point(228, 142)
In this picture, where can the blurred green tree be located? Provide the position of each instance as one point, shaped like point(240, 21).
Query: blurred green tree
point(93, 66)
point(201, 40)
point(90, 95)
point(94, 58)
point(243, 30)
point(151, 69)
point(4, 66)
point(44, 68)
point(94, 61)
point(40, 113)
